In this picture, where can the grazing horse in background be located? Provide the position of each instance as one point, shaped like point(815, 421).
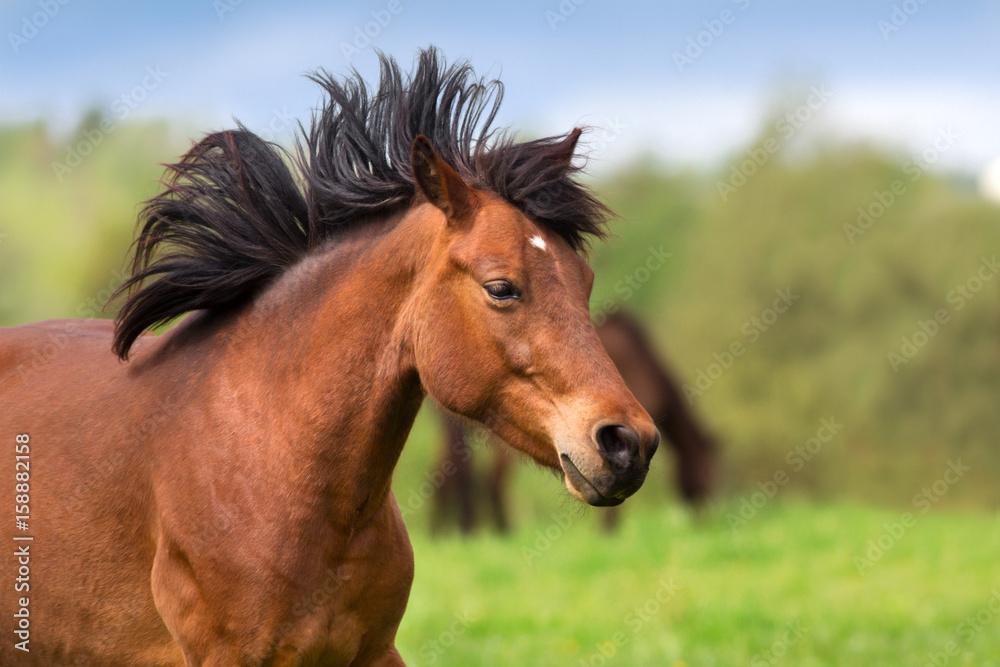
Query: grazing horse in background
point(629, 347)
point(220, 494)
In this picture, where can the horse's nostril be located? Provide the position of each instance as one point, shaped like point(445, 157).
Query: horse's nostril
point(619, 445)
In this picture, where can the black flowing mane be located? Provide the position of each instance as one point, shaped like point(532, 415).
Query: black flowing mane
point(233, 216)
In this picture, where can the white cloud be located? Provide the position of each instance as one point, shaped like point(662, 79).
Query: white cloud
point(704, 125)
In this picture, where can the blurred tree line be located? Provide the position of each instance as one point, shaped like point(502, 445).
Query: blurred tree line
point(841, 283)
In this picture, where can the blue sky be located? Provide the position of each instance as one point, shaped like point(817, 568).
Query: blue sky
point(612, 65)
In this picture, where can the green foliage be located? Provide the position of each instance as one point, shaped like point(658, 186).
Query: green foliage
point(67, 228)
point(858, 296)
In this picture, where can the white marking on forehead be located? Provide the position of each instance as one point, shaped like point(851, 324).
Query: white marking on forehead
point(538, 242)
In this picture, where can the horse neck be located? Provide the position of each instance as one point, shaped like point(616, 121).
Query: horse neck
point(324, 359)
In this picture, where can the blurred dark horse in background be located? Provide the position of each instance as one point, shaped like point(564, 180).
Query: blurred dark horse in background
point(220, 495)
point(695, 451)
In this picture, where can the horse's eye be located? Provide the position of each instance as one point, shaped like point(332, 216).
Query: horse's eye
point(501, 290)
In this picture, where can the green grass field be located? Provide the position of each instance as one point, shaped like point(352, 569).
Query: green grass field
point(669, 589)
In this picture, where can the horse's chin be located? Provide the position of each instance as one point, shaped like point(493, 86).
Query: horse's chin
point(582, 489)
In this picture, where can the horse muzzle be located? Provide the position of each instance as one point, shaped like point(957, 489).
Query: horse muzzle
point(613, 469)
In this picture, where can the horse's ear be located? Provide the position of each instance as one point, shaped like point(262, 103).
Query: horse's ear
point(565, 149)
point(439, 183)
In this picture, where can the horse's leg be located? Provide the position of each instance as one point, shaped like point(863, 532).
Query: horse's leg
point(465, 482)
point(693, 454)
point(185, 615)
point(444, 494)
point(182, 609)
point(457, 486)
point(499, 479)
point(381, 584)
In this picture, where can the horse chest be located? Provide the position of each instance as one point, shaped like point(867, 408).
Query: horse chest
point(342, 611)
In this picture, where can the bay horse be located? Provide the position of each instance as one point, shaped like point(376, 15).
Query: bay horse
point(627, 344)
point(220, 494)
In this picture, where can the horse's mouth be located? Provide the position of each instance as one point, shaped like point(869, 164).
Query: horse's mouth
point(583, 486)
